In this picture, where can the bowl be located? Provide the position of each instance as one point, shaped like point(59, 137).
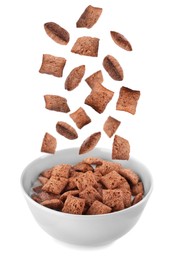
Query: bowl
point(86, 230)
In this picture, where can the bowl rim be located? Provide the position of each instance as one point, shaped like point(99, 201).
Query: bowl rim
point(121, 212)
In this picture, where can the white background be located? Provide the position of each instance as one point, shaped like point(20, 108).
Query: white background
point(24, 120)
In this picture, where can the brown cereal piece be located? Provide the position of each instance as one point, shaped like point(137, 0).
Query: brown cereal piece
point(80, 117)
point(47, 173)
point(110, 126)
point(127, 195)
point(89, 17)
point(66, 130)
point(124, 184)
point(90, 143)
point(138, 188)
point(95, 77)
point(67, 193)
point(97, 175)
point(113, 68)
point(73, 205)
point(49, 144)
point(121, 41)
point(99, 188)
point(43, 195)
point(90, 195)
point(52, 65)
point(87, 46)
point(111, 180)
point(99, 98)
point(98, 208)
point(82, 167)
point(43, 180)
point(53, 204)
point(36, 198)
point(130, 175)
point(84, 180)
point(74, 78)
point(37, 189)
point(128, 100)
point(93, 161)
point(74, 173)
point(55, 185)
point(137, 198)
point(61, 170)
point(72, 182)
point(56, 103)
point(57, 33)
point(120, 148)
point(113, 199)
point(107, 167)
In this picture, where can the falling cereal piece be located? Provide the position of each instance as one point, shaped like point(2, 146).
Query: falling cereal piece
point(99, 98)
point(90, 143)
point(128, 100)
point(66, 130)
point(121, 41)
point(87, 46)
point(89, 17)
point(95, 77)
point(56, 103)
point(49, 144)
point(57, 33)
point(120, 148)
point(80, 117)
point(111, 125)
point(113, 68)
point(74, 78)
point(52, 65)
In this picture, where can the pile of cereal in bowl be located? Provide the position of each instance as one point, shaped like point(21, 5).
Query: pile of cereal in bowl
point(91, 187)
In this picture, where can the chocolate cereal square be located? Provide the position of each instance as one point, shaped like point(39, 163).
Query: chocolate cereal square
point(56, 103)
point(47, 173)
point(87, 46)
point(126, 197)
point(74, 78)
point(73, 205)
point(55, 185)
point(111, 180)
point(99, 98)
point(82, 167)
point(49, 144)
point(89, 17)
point(113, 199)
point(84, 180)
point(107, 167)
point(120, 148)
point(98, 208)
point(52, 65)
point(138, 188)
point(90, 194)
point(53, 204)
point(137, 198)
point(128, 100)
point(89, 143)
point(95, 77)
point(80, 117)
point(129, 175)
point(110, 126)
point(61, 170)
point(57, 33)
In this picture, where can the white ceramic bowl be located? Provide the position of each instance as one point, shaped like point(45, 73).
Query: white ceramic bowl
point(83, 229)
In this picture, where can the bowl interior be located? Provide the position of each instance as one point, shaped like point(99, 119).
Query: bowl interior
point(71, 156)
